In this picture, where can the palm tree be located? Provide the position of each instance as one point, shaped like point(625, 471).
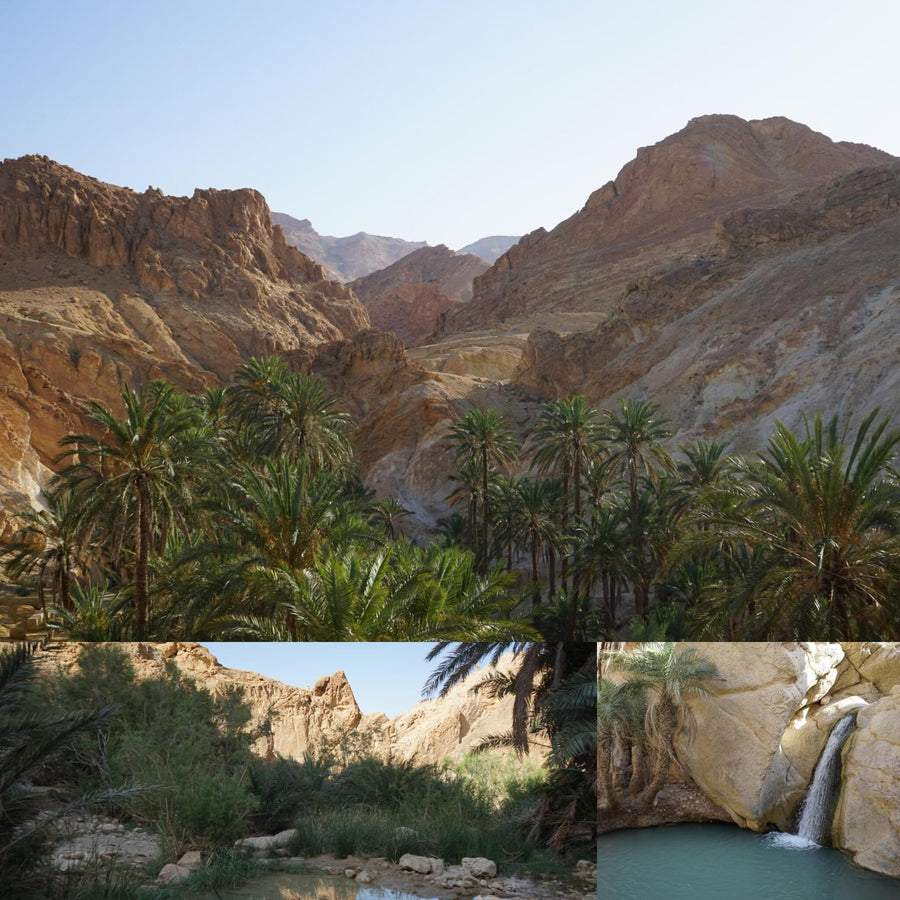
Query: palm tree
point(270, 518)
point(567, 714)
point(398, 594)
point(566, 437)
point(51, 538)
point(604, 544)
point(634, 439)
point(137, 476)
point(534, 523)
point(290, 413)
point(390, 514)
point(822, 515)
point(482, 436)
point(668, 674)
point(28, 739)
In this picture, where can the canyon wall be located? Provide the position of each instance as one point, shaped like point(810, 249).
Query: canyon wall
point(759, 735)
point(326, 714)
point(101, 285)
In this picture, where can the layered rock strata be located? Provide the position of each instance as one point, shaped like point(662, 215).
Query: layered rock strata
point(410, 297)
point(101, 285)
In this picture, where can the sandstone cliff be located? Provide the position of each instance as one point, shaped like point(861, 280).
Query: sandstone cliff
point(759, 736)
point(344, 258)
point(100, 285)
point(327, 714)
point(794, 308)
point(735, 272)
point(410, 296)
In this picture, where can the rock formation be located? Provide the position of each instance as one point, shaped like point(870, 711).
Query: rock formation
point(735, 272)
point(410, 296)
point(100, 285)
point(327, 714)
point(344, 258)
point(662, 204)
point(759, 735)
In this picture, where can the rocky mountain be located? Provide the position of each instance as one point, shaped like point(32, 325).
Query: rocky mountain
point(327, 713)
point(344, 258)
point(759, 735)
point(410, 296)
point(663, 204)
point(101, 285)
point(490, 249)
point(735, 272)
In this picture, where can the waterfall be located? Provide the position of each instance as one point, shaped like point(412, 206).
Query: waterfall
point(818, 804)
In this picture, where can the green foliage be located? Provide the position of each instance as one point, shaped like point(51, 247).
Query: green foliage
point(170, 734)
point(285, 786)
point(239, 513)
point(29, 737)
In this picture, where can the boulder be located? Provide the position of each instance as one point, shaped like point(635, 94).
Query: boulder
point(867, 820)
point(421, 864)
point(264, 843)
point(479, 866)
point(173, 874)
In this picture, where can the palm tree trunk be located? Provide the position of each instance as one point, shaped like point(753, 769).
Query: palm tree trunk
point(551, 558)
point(605, 766)
point(64, 600)
point(142, 539)
point(41, 598)
point(484, 511)
point(640, 597)
point(638, 770)
point(535, 583)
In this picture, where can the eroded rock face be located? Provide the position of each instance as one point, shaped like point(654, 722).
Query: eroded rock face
point(327, 714)
point(792, 309)
point(762, 731)
point(661, 205)
point(101, 285)
point(409, 297)
point(867, 820)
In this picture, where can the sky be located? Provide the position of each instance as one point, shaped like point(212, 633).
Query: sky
point(385, 677)
point(424, 119)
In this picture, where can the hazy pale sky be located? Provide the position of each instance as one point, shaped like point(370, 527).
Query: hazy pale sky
point(424, 119)
point(385, 677)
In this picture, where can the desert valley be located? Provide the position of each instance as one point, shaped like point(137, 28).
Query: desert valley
point(734, 276)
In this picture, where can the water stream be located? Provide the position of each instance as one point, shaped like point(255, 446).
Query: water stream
point(818, 804)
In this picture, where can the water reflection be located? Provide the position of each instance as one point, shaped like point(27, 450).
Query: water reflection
point(289, 886)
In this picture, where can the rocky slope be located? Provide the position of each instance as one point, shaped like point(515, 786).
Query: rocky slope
point(410, 296)
point(100, 285)
point(303, 719)
point(759, 735)
point(662, 204)
point(344, 258)
point(735, 272)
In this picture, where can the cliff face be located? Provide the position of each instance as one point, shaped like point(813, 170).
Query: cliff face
point(409, 296)
point(344, 258)
point(759, 735)
point(100, 285)
point(327, 714)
